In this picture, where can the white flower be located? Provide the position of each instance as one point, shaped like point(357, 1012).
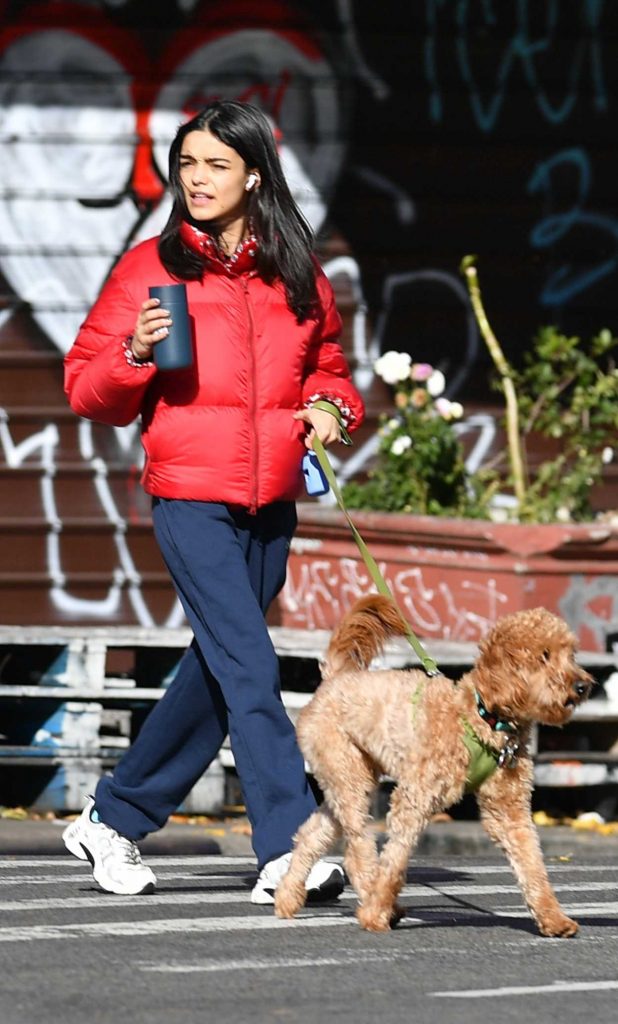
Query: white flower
point(448, 410)
point(563, 514)
point(393, 367)
point(607, 456)
point(436, 383)
point(400, 444)
point(443, 407)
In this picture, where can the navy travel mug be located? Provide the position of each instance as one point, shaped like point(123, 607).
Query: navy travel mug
point(175, 352)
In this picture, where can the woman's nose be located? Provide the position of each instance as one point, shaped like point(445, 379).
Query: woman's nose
point(199, 174)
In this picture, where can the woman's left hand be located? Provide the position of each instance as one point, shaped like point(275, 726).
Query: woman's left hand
point(321, 423)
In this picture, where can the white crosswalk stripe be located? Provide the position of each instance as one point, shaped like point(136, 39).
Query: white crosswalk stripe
point(62, 892)
point(557, 988)
point(231, 893)
point(104, 929)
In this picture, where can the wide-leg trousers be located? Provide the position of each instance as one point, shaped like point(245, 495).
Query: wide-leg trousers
point(227, 566)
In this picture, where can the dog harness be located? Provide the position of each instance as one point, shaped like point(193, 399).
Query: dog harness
point(484, 759)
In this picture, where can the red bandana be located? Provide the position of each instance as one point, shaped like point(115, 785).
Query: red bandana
point(242, 260)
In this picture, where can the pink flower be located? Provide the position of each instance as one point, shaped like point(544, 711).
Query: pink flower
point(421, 371)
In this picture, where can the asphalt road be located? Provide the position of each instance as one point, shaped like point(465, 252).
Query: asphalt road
point(198, 951)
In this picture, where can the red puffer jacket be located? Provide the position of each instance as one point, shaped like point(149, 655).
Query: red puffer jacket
point(222, 430)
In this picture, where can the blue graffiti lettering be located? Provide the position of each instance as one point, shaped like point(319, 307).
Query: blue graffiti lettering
point(565, 283)
point(521, 47)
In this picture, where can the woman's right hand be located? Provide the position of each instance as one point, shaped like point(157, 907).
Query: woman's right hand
point(151, 326)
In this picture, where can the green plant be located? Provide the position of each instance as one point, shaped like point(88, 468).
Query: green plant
point(564, 397)
point(420, 463)
point(567, 394)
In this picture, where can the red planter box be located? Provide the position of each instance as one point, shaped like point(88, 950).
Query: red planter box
point(454, 577)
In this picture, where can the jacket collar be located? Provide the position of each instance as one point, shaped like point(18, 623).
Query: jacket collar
point(242, 261)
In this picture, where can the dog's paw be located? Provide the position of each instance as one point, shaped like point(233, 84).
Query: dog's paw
point(289, 900)
point(374, 920)
point(558, 926)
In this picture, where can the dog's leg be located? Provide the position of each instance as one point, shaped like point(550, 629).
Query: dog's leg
point(511, 826)
point(347, 795)
point(406, 820)
point(348, 783)
point(311, 842)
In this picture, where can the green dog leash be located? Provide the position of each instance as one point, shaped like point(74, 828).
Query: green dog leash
point(382, 586)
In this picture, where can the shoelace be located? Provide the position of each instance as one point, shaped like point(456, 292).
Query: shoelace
point(129, 851)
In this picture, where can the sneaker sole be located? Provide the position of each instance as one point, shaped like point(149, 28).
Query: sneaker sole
point(263, 898)
point(146, 890)
point(328, 891)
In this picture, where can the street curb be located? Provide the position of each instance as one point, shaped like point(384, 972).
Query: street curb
point(229, 838)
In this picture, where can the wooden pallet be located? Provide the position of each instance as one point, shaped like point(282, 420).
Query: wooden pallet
point(49, 675)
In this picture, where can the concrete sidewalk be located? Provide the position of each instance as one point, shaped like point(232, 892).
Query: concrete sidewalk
point(230, 837)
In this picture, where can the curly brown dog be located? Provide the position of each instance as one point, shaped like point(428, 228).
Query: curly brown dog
point(436, 739)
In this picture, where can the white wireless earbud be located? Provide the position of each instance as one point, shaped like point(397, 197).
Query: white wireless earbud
point(251, 180)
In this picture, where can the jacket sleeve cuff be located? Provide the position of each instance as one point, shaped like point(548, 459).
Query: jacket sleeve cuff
point(131, 358)
point(336, 408)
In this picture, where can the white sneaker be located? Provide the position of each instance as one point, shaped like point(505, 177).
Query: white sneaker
point(325, 881)
point(116, 861)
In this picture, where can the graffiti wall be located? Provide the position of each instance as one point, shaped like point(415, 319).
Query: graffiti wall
point(411, 134)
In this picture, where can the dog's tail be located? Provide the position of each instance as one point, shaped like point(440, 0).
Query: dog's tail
point(361, 635)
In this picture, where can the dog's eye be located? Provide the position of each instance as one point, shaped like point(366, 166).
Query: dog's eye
point(546, 655)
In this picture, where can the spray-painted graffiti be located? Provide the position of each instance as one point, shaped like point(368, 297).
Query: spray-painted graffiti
point(458, 590)
point(527, 38)
point(88, 165)
point(318, 591)
point(594, 603)
point(564, 283)
point(527, 48)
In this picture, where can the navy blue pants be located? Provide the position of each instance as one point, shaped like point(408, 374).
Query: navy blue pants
point(227, 567)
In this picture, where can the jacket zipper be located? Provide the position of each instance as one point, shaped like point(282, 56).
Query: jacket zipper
point(252, 405)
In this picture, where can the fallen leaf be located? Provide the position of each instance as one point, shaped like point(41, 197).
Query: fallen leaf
point(14, 813)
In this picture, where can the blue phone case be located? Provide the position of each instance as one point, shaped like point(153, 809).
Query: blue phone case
point(315, 481)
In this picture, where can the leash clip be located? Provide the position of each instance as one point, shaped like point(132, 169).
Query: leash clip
point(509, 754)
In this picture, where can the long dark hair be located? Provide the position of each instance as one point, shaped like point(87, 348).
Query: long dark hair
point(285, 237)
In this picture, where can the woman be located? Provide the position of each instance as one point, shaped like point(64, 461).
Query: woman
point(224, 442)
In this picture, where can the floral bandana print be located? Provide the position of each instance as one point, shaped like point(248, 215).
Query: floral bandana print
point(242, 260)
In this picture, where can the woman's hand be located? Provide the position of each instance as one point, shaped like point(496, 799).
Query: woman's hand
point(319, 422)
point(152, 326)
